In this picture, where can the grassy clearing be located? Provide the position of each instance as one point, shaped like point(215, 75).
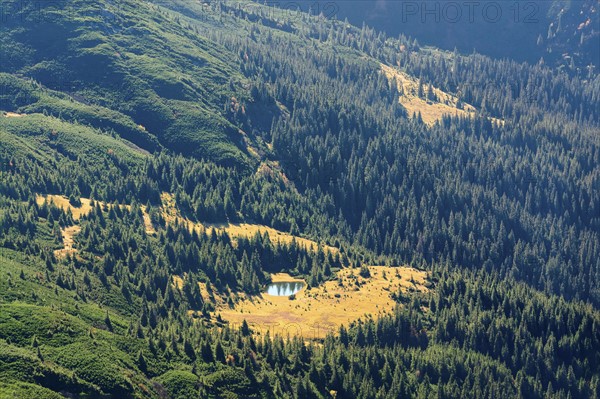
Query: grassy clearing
point(177, 282)
point(147, 222)
point(284, 278)
point(63, 202)
point(68, 238)
point(431, 111)
point(250, 230)
point(316, 311)
point(69, 233)
point(171, 214)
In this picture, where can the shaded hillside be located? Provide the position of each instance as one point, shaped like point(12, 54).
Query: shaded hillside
point(562, 32)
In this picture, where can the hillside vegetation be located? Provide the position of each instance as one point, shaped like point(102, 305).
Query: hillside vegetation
point(562, 33)
point(123, 67)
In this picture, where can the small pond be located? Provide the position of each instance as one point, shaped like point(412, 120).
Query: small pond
point(284, 288)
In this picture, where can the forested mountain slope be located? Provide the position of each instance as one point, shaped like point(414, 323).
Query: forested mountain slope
point(467, 191)
point(288, 121)
point(563, 33)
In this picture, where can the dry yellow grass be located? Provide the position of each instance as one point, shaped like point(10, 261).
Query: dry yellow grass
point(323, 309)
point(68, 236)
point(284, 278)
point(172, 215)
point(63, 202)
point(177, 281)
point(169, 208)
point(234, 230)
point(431, 111)
point(314, 312)
point(250, 230)
point(14, 115)
point(147, 222)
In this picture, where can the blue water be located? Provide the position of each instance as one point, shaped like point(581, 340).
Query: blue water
point(284, 288)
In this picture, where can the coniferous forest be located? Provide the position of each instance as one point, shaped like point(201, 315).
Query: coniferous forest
point(130, 131)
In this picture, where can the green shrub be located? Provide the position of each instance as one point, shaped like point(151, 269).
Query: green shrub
point(179, 384)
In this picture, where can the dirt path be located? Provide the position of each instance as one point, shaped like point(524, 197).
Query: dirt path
point(147, 221)
point(68, 236)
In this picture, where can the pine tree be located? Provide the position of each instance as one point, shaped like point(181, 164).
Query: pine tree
point(108, 322)
point(141, 362)
point(219, 353)
point(207, 353)
point(245, 329)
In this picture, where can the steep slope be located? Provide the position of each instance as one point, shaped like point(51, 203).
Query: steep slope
point(128, 61)
point(115, 295)
point(430, 103)
point(564, 33)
